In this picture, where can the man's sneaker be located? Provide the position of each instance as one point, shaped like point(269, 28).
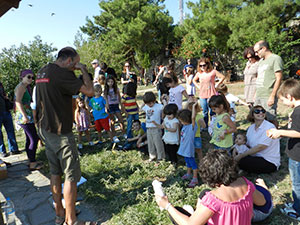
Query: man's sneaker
point(193, 183)
point(186, 176)
point(80, 146)
point(91, 143)
point(116, 139)
point(125, 136)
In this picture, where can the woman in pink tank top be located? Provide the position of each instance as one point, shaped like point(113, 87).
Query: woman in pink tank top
point(204, 80)
point(231, 202)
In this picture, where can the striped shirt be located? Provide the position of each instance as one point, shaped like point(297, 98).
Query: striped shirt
point(129, 104)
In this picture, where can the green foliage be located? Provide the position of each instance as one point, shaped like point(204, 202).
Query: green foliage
point(227, 27)
point(14, 59)
point(129, 30)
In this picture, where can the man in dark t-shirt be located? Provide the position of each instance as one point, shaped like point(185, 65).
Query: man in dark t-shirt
point(55, 85)
point(107, 71)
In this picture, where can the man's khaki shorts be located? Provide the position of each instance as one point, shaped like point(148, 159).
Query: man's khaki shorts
point(62, 154)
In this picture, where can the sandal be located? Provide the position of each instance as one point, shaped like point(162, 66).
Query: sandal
point(60, 220)
point(291, 213)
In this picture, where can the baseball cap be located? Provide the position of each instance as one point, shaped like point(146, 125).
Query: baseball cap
point(95, 61)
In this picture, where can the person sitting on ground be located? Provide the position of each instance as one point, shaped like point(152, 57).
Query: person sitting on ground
point(231, 202)
point(239, 146)
point(264, 153)
point(139, 139)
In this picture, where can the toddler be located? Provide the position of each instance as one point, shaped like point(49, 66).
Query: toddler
point(82, 120)
point(153, 112)
point(187, 147)
point(98, 103)
point(240, 145)
point(129, 106)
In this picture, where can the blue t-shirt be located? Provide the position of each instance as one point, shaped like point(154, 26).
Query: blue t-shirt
point(187, 135)
point(98, 106)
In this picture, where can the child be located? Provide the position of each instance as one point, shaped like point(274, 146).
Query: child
point(200, 125)
point(176, 91)
point(139, 137)
point(223, 125)
point(82, 120)
point(129, 106)
point(187, 147)
point(190, 86)
point(231, 200)
point(240, 145)
point(289, 93)
point(171, 134)
point(153, 112)
point(98, 103)
point(113, 99)
point(232, 99)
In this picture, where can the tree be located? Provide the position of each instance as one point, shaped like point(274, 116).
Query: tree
point(226, 27)
point(13, 60)
point(129, 30)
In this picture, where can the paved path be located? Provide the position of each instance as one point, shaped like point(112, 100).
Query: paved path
point(30, 192)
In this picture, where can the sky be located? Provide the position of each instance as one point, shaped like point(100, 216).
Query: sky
point(55, 21)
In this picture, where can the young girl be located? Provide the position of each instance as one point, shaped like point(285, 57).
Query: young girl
point(113, 99)
point(231, 202)
point(171, 134)
point(176, 92)
point(187, 147)
point(82, 119)
point(129, 106)
point(200, 124)
point(190, 86)
point(223, 125)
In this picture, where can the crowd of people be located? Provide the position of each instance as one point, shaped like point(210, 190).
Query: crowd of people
point(172, 127)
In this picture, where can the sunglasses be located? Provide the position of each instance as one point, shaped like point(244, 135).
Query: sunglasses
point(29, 77)
point(258, 50)
point(257, 111)
point(202, 65)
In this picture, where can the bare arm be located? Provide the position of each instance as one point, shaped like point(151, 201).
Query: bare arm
point(251, 151)
point(221, 77)
point(232, 127)
point(195, 81)
point(202, 123)
point(194, 114)
point(87, 87)
point(19, 92)
point(275, 133)
point(185, 94)
point(172, 129)
point(278, 78)
point(258, 198)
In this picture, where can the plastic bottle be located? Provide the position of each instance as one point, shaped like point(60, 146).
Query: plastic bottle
point(9, 210)
point(158, 189)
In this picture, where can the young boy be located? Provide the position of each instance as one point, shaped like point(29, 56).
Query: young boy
point(289, 93)
point(139, 137)
point(98, 104)
point(153, 112)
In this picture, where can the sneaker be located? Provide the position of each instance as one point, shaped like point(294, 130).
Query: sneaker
point(116, 139)
point(186, 176)
point(91, 143)
point(289, 205)
point(4, 154)
point(15, 152)
point(193, 183)
point(80, 146)
point(291, 213)
point(125, 136)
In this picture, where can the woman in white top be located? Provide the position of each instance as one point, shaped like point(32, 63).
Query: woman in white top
point(264, 153)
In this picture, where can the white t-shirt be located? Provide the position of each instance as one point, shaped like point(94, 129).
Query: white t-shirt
point(96, 74)
point(171, 138)
point(153, 114)
point(259, 136)
point(175, 96)
point(241, 148)
point(190, 88)
point(232, 99)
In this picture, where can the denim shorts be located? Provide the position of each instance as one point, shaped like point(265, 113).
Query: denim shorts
point(191, 162)
point(198, 142)
point(114, 108)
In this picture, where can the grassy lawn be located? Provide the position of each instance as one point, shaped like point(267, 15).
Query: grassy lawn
point(119, 183)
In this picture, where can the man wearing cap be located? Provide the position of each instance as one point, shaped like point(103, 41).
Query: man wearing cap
point(55, 85)
point(95, 65)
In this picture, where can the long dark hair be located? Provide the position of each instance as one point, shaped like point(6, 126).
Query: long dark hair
point(217, 100)
point(106, 87)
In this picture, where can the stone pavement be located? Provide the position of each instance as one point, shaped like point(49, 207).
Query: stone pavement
point(30, 193)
